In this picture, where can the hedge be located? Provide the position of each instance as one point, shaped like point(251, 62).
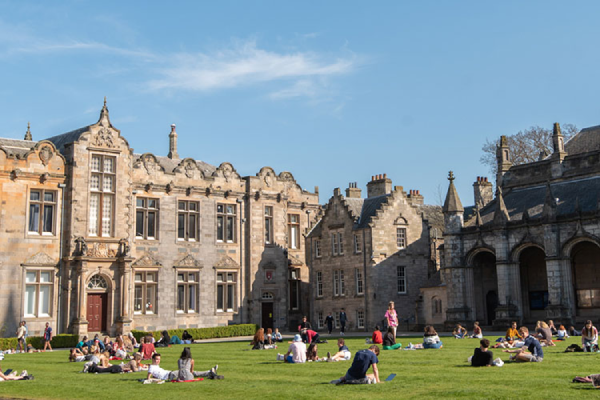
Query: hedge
point(205, 333)
point(58, 341)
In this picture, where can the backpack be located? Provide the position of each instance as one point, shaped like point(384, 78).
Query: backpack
point(574, 348)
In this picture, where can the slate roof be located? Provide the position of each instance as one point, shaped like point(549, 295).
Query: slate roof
point(588, 139)
point(61, 140)
point(369, 209)
point(355, 205)
point(584, 191)
point(434, 215)
point(17, 147)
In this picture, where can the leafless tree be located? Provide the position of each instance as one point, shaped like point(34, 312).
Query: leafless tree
point(525, 146)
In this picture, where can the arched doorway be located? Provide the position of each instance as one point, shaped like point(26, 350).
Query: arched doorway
point(97, 304)
point(585, 266)
point(485, 284)
point(534, 283)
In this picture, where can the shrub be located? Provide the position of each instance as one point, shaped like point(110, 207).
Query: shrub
point(58, 341)
point(205, 333)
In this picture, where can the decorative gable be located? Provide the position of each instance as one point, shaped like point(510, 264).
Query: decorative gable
point(188, 262)
point(147, 260)
point(40, 258)
point(226, 262)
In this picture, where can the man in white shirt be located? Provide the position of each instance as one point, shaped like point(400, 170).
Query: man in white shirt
point(297, 351)
point(156, 372)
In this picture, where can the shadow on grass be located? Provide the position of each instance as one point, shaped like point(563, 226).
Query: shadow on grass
point(584, 387)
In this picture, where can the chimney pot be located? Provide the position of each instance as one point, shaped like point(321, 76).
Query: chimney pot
point(418, 192)
point(384, 176)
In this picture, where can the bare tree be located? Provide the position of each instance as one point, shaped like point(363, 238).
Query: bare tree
point(525, 146)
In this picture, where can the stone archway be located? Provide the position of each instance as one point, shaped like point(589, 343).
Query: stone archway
point(534, 283)
point(585, 269)
point(485, 287)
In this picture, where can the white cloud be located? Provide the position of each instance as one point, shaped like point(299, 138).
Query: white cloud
point(246, 64)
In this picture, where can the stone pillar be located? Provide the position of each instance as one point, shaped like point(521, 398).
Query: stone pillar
point(560, 292)
point(124, 320)
point(80, 325)
point(509, 294)
point(458, 310)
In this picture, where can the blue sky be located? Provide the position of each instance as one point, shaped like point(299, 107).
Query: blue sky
point(334, 91)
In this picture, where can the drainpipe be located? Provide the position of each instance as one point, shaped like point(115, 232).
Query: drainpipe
point(241, 278)
point(367, 313)
point(61, 271)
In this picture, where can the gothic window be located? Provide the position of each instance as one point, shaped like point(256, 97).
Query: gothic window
point(38, 293)
point(146, 287)
point(102, 195)
point(188, 220)
point(97, 282)
point(42, 212)
point(268, 225)
point(146, 218)
point(226, 221)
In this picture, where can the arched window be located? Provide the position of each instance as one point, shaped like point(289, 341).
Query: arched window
point(436, 305)
point(97, 282)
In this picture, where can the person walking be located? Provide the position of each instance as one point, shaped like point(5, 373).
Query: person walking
point(47, 337)
point(392, 317)
point(343, 320)
point(21, 337)
point(329, 322)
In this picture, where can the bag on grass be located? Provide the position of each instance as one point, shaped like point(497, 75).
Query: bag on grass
point(498, 362)
point(574, 348)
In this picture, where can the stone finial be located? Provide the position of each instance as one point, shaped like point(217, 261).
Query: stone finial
point(478, 221)
point(104, 120)
point(173, 143)
point(550, 204)
point(558, 141)
point(452, 203)
point(28, 133)
point(501, 215)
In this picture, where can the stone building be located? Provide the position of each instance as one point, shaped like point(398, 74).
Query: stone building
point(101, 239)
point(365, 252)
point(531, 252)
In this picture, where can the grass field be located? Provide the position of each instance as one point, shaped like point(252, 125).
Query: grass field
point(255, 374)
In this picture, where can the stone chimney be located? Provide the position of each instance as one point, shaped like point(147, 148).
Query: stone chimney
point(353, 191)
point(483, 191)
point(502, 159)
point(173, 143)
point(379, 185)
point(416, 198)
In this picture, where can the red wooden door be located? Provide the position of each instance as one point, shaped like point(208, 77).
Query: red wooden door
point(96, 312)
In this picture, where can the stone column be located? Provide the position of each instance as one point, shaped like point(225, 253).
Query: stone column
point(560, 293)
point(80, 326)
point(124, 320)
point(509, 294)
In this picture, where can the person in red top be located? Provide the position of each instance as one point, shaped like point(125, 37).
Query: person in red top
point(310, 336)
point(147, 348)
point(377, 338)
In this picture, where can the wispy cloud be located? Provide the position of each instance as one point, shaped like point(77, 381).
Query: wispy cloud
point(246, 64)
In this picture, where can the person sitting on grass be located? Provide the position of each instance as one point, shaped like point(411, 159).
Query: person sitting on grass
point(82, 343)
point(343, 353)
point(357, 373)
point(186, 338)
point(135, 364)
point(164, 341)
point(431, 340)
point(108, 345)
point(459, 332)
point(310, 336)
point(31, 349)
point(561, 333)
point(258, 343)
point(377, 338)
point(589, 336)
point(296, 352)
point(269, 336)
point(133, 340)
point(119, 348)
point(13, 375)
point(531, 350)
point(573, 331)
point(512, 333)
point(389, 340)
point(477, 333)
point(147, 348)
point(482, 357)
point(312, 353)
point(277, 336)
point(186, 368)
point(76, 355)
point(552, 327)
point(544, 334)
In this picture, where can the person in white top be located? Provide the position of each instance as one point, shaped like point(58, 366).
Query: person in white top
point(156, 372)
point(21, 330)
point(296, 352)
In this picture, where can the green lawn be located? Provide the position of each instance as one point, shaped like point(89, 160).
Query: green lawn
point(256, 374)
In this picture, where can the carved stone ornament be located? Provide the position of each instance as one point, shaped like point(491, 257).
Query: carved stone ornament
point(44, 177)
point(80, 247)
point(170, 187)
point(147, 260)
point(46, 154)
point(123, 248)
point(101, 250)
point(188, 261)
point(268, 180)
point(40, 258)
point(190, 169)
point(149, 164)
point(104, 138)
point(227, 262)
point(286, 176)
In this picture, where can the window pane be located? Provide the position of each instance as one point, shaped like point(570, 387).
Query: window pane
point(139, 223)
point(44, 300)
point(180, 297)
point(230, 229)
point(230, 296)
point(230, 278)
point(48, 219)
point(150, 296)
point(219, 277)
point(140, 202)
point(138, 277)
point(45, 277)
point(193, 206)
point(108, 164)
point(181, 226)
point(181, 205)
point(95, 163)
point(30, 299)
point(107, 185)
point(151, 203)
point(180, 278)
point(219, 208)
point(34, 217)
point(31, 277)
point(49, 196)
point(151, 224)
point(34, 195)
point(192, 300)
point(94, 211)
point(107, 216)
point(230, 209)
point(220, 297)
point(192, 227)
point(192, 278)
point(95, 182)
point(294, 237)
point(150, 277)
point(220, 233)
point(137, 301)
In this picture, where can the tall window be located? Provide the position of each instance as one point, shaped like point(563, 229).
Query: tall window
point(42, 208)
point(360, 319)
point(226, 285)
point(144, 298)
point(188, 220)
point(338, 283)
point(294, 289)
point(334, 244)
point(146, 218)
point(359, 281)
point(187, 292)
point(294, 231)
point(268, 225)
point(317, 248)
point(102, 195)
point(401, 279)
point(38, 293)
point(341, 242)
point(320, 321)
point(226, 218)
point(319, 284)
point(436, 306)
point(401, 237)
point(357, 244)
point(342, 285)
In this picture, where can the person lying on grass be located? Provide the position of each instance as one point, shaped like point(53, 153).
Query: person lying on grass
point(593, 379)
point(296, 353)
point(343, 353)
point(186, 338)
point(357, 373)
point(389, 340)
point(482, 357)
point(156, 372)
point(135, 364)
point(531, 350)
point(13, 375)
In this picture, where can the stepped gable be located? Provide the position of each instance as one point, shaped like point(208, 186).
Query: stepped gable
point(581, 192)
point(369, 210)
point(354, 206)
